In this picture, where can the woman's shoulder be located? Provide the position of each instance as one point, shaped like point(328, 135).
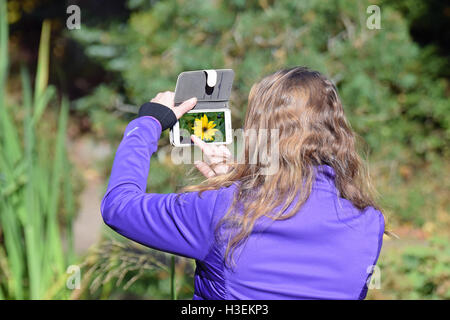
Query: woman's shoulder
point(214, 201)
point(375, 218)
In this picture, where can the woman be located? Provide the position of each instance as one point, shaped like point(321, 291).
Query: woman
point(310, 230)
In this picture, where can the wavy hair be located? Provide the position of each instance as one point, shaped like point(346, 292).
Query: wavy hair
point(305, 108)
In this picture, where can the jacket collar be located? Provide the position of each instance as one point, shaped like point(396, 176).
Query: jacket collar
point(325, 176)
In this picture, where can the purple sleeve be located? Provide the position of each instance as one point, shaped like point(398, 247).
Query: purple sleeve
point(176, 223)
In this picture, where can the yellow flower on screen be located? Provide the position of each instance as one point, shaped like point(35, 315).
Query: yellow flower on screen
point(204, 129)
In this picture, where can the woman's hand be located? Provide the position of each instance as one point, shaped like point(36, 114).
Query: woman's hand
point(167, 98)
point(216, 158)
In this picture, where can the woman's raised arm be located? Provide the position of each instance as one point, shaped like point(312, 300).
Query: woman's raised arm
point(177, 223)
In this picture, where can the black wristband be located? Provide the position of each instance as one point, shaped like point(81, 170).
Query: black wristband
point(163, 114)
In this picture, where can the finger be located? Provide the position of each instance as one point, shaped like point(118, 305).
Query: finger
point(217, 158)
point(168, 99)
point(225, 151)
point(220, 153)
point(201, 144)
point(212, 154)
point(170, 95)
point(221, 169)
point(204, 169)
point(185, 107)
point(165, 98)
point(217, 152)
point(158, 95)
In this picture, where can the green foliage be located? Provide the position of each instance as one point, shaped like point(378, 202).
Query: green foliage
point(416, 272)
point(105, 122)
point(117, 270)
point(388, 84)
point(32, 260)
point(415, 195)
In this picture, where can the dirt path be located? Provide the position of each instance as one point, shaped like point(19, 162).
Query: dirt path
point(86, 154)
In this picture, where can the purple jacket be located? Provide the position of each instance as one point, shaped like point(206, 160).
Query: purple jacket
point(324, 252)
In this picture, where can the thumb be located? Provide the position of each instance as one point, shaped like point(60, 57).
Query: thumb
point(185, 107)
point(204, 169)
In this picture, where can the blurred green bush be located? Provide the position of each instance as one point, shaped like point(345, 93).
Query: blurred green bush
point(36, 191)
point(418, 271)
point(390, 86)
point(115, 269)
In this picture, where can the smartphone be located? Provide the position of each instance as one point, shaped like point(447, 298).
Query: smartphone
point(210, 119)
point(210, 125)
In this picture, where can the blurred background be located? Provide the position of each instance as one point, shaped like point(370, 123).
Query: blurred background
point(67, 95)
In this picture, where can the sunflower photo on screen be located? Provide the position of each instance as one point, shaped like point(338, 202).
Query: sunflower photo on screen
point(208, 126)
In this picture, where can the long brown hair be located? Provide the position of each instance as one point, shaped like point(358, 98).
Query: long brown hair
point(312, 130)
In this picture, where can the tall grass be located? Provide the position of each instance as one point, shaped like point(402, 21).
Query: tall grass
point(33, 180)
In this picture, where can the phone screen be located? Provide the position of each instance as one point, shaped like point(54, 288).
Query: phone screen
point(208, 126)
